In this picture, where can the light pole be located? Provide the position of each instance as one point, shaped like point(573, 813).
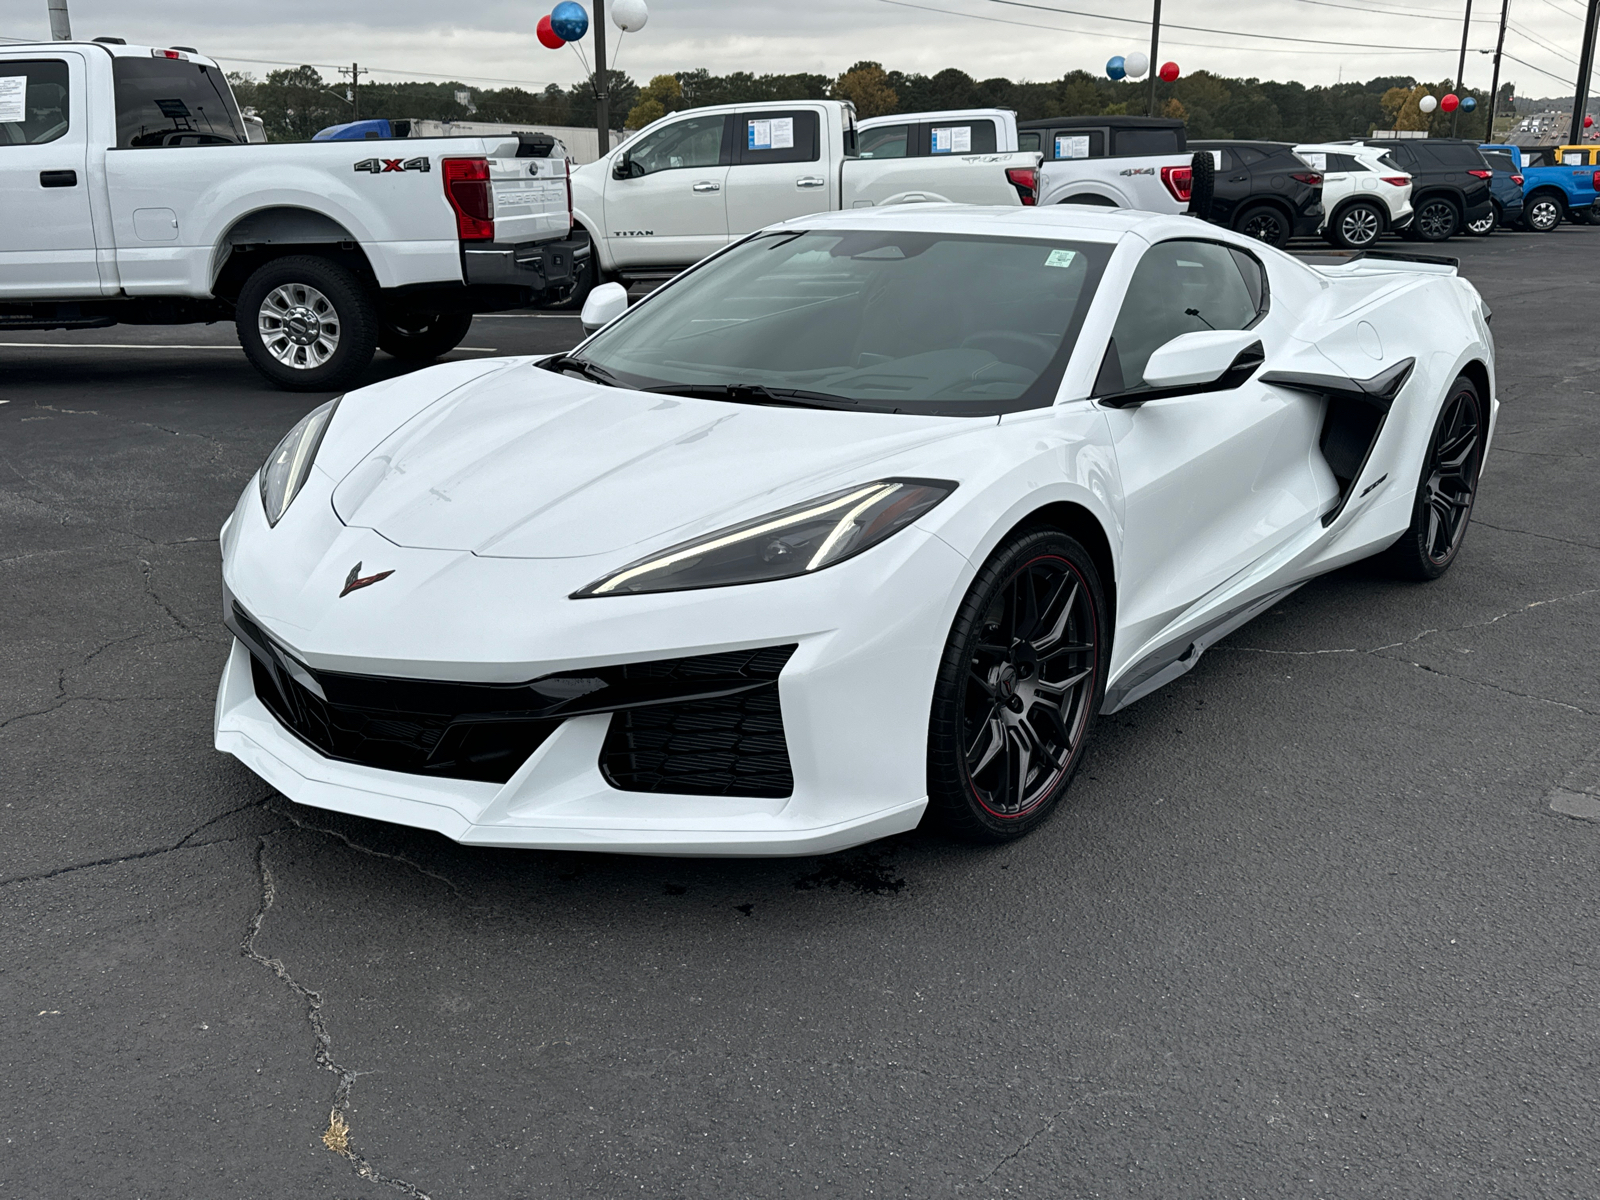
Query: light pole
point(602, 88)
point(1580, 98)
point(1494, 88)
point(1155, 45)
point(60, 26)
point(1461, 66)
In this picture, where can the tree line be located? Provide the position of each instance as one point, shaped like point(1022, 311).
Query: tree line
point(296, 102)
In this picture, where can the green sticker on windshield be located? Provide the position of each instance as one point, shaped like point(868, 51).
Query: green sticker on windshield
point(1061, 258)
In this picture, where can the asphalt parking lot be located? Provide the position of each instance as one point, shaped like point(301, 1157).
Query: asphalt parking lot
point(1317, 920)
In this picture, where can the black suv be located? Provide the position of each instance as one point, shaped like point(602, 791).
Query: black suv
point(1101, 137)
point(1450, 186)
point(1264, 190)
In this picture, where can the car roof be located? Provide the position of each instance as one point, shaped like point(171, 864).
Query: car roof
point(1117, 122)
point(940, 114)
point(1069, 222)
point(114, 49)
point(1254, 143)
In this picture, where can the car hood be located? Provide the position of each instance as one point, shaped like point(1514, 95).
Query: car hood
point(532, 464)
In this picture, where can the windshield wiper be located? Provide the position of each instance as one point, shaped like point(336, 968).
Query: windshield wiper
point(754, 393)
point(581, 366)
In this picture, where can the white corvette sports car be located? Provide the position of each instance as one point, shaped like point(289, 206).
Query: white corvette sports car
point(866, 517)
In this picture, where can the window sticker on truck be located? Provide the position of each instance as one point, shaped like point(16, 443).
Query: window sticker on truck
point(13, 91)
point(378, 166)
point(1072, 145)
point(776, 134)
point(952, 139)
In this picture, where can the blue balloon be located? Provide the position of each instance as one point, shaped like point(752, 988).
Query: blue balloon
point(1116, 69)
point(569, 21)
point(1468, 104)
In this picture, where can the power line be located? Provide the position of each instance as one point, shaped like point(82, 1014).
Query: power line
point(1381, 12)
point(267, 62)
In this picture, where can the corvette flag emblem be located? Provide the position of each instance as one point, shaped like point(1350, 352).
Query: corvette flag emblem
point(355, 581)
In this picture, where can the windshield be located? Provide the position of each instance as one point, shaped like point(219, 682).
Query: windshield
point(889, 321)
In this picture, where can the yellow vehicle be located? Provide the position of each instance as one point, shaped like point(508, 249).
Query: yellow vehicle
point(1587, 155)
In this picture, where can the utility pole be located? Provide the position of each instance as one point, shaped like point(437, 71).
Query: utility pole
point(604, 80)
point(60, 27)
point(355, 71)
point(1580, 97)
point(1155, 46)
point(1461, 67)
point(1494, 88)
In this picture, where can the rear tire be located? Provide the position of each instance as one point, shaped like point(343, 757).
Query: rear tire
point(422, 337)
point(1446, 490)
point(1541, 213)
point(1484, 226)
point(1356, 226)
point(1021, 681)
point(1266, 223)
point(1437, 220)
point(306, 323)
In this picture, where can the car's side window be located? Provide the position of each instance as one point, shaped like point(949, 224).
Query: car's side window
point(33, 101)
point(1179, 287)
point(777, 137)
point(1075, 143)
point(885, 141)
point(1028, 139)
point(965, 137)
point(691, 142)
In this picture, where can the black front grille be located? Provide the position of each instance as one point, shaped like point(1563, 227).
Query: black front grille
point(723, 746)
point(703, 725)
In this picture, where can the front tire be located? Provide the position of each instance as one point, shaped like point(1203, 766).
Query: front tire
point(1266, 224)
point(306, 323)
point(422, 337)
point(1022, 678)
point(1356, 226)
point(1446, 490)
point(1438, 220)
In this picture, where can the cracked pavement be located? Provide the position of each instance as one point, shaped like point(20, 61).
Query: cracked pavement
point(1317, 919)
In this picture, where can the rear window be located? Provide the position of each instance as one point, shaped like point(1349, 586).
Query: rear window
point(1454, 155)
point(1500, 162)
point(1539, 156)
point(1133, 143)
point(1073, 143)
point(777, 137)
point(884, 141)
point(33, 101)
point(167, 102)
point(1028, 139)
point(958, 137)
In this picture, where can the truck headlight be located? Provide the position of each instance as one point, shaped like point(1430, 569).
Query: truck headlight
point(792, 541)
point(287, 467)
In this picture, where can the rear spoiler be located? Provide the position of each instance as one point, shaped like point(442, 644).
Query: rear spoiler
point(1333, 260)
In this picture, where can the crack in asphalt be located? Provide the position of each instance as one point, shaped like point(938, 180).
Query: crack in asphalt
point(360, 849)
point(186, 842)
point(1549, 537)
point(337, 1136)
point(1045, 1128)
point(1495, 687)
point(148, 571)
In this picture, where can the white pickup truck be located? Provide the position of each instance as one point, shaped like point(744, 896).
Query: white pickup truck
point(694, 181)
point(131, 195)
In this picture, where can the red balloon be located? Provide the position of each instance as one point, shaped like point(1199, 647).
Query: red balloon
point(1450, 102)
point(548, 36)
point(1169, 71)
point(1588, 122)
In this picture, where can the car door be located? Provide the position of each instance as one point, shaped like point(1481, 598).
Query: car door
point(779, 169)
point(1212, 480)
point(47, 244)
point(665, 202)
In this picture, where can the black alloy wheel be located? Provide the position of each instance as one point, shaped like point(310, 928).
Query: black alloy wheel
point(1356, 226)
point(306, 323)
point(1437, 220)
point(1019, 686)
point(422, 337)
point(1447, 489)
point(1265, 223)
point(1542, 213)
point(1484, 226)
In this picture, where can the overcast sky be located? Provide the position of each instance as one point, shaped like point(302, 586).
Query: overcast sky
point(491, 42)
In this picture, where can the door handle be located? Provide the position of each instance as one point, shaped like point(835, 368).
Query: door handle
point(706, 185)
point(1237, 178)
point(810, 181)
point(58, 179)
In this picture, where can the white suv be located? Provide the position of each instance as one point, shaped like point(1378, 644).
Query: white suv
point(1363, 194)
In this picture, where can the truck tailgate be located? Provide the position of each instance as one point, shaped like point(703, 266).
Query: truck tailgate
point(530, 198)
point(957, 179)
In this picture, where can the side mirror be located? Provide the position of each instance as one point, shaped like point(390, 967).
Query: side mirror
point(604, 305)
point(1205, 357)
point(623, 167)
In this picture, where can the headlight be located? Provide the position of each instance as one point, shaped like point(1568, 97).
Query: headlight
point(285, 471)
point(793, 541)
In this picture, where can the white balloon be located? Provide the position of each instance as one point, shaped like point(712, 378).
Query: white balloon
point(1135, 65)
point(629, 15)
point(1428, 103)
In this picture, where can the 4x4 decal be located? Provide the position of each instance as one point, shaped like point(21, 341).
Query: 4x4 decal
point(379, 165)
